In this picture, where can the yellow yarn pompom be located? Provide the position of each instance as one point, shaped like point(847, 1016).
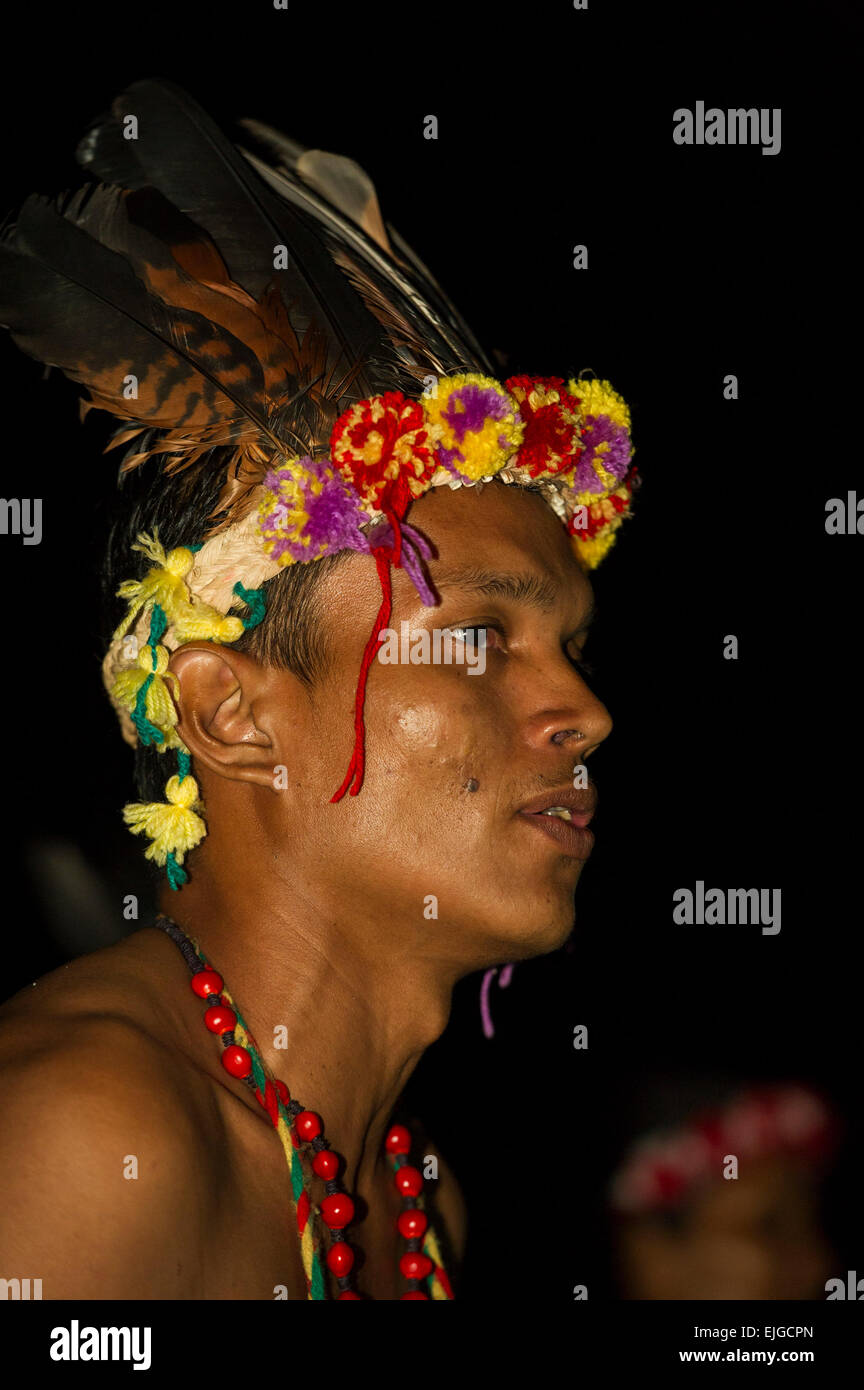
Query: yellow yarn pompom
point(600, 398)
point(473, 423)
point(590, 552)
point(163, 584)
point(173, 827)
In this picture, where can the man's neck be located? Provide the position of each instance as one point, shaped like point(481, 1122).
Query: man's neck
point(342, 1009)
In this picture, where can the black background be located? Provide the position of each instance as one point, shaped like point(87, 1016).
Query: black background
point(555, 129)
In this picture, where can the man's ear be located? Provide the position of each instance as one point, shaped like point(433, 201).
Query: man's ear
point(222, 705)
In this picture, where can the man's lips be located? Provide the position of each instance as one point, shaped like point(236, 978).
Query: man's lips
point(581, 802)
point(572, 835)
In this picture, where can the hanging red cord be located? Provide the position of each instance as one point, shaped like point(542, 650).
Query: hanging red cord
point(385, 555)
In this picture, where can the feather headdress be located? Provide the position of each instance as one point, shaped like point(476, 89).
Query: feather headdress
point(251, 297)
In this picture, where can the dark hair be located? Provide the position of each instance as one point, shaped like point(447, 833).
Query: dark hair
point(180, 509)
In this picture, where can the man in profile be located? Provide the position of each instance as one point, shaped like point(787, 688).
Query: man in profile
point(135, 1163)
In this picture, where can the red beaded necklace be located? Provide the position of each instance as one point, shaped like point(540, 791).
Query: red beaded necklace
point(296, 1125)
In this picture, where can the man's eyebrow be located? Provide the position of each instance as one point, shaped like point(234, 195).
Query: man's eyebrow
point(530, 589)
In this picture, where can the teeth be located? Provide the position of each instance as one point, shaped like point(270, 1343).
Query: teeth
point(560, 811)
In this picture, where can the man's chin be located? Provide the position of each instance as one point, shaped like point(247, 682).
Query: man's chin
point(555, 933)
point(538, 929)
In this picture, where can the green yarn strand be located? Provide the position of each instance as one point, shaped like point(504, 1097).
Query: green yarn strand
point(257, 604)
point(147, 732)
point(177, 875)
point(158, 625)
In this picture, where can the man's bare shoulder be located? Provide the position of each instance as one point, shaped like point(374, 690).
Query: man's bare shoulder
point(97, 1127)
point(95, 1036)
point(115, 980)
point(126, 994)
point(103, 1006)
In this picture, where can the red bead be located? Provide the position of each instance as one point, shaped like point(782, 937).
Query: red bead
point(307, 1125)
point(415, 1293)
point(415, 1265)
point(337, 1210)
point(409, 1181)
point(207, 982)
point(398, 1141)
point(340, 1259)
point(282, 1092)
point(349, 1294)
point(236, 1061)
point(412, 1224)
point(326, 1164)
point(219, 1018)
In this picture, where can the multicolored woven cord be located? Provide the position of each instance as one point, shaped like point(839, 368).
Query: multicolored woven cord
point(308, 1222)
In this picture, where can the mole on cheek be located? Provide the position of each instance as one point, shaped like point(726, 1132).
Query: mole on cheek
point(471, 785)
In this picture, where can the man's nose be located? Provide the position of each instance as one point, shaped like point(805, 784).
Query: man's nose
point(573, 718)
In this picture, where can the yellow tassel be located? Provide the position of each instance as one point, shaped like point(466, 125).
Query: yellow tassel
point(158, 705)
point(171, 740)
point(173, 827)
point(163, 584)
point(193, 621)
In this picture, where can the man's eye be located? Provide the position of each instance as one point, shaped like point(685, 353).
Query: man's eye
point(476, 637)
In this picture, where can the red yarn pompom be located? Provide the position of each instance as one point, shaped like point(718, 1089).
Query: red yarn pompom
point(553, 440)
point(381, 448)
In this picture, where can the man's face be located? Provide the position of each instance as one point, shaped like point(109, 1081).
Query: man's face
point(451, 756)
